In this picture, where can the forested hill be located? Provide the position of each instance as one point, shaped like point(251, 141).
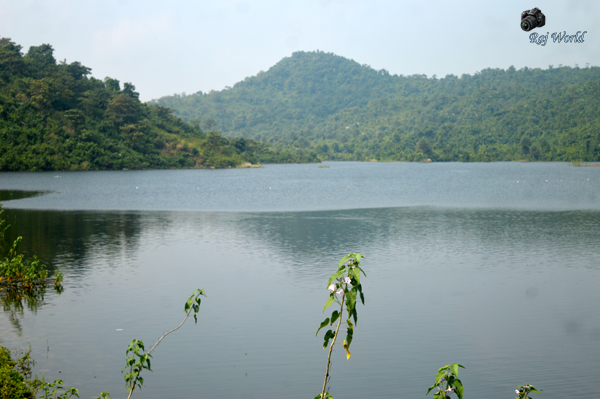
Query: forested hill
point(342, 110)
point(53, 116)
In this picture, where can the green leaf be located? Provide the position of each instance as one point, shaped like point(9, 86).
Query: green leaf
point(458, 387)
point(355, 273)
point(535, 390)
point(334, 316)
point(345, 259)
point(329, 302)
point(455, 367)
point(351, 299)
point(194, 299)
point(334, 276)
point(352, 313)
point(328, 335)
point(323, 324)
point(441, 373)
point(71, 392)
point(363, 272)
point(430, 388)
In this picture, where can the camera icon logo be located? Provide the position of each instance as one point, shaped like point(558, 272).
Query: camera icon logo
point(531, 19)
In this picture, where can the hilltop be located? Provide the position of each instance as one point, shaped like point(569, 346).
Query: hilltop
point(343, 110)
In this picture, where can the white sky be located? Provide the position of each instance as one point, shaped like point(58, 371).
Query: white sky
point(174, 46)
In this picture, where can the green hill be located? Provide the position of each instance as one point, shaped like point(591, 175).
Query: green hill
point(53, 116)
point(342, 110)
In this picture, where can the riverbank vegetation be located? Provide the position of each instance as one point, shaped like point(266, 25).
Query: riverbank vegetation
point(55, 116)
point(17, 380)
point(23, 280)
point(341, 110)
point(18, 273)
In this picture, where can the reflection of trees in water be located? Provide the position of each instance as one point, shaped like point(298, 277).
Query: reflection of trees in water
point(23, 279)
point(63, 238)
point(499, 233)
point(9, 195)
point(15, 300)
point(307, 241)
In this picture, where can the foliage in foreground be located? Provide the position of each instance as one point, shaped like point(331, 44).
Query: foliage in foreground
point(344, 288)
point(16, 381)
point(53, 116)
point(447, 375)
point(15, 376)
point(523, 391)
point(23, 280)
point(20, 275)
point(139, 360)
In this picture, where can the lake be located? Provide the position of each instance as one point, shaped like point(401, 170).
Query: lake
point(494, 266)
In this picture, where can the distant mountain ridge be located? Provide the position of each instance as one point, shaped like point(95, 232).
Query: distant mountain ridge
point(342, 110)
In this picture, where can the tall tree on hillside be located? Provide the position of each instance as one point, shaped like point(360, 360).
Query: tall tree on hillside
point(40, 60)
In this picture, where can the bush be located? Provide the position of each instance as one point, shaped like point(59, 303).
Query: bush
point(12, 383)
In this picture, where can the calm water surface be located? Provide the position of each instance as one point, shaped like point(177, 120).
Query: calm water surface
point(494, 266)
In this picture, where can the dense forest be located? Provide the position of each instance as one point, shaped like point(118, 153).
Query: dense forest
point(54, 116)
point(342, 110)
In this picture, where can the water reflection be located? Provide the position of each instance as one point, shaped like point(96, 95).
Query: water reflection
point(66, 239)
point(14, 301)
point(11, 195)
point(498, 234)
point(264, 274)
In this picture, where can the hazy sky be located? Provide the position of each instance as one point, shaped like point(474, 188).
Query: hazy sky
point(174, 46)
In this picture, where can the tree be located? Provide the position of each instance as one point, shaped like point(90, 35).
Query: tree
point(129, 89)
point(424, 146)
point(123, 109)
point(11, 60)
point(112, 84)
point(525, 145)
point(40, 60)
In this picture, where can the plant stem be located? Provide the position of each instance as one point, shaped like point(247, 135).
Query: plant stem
point(337, 329)
point(157, 342)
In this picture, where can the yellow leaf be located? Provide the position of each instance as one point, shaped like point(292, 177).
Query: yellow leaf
point(348, 354)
